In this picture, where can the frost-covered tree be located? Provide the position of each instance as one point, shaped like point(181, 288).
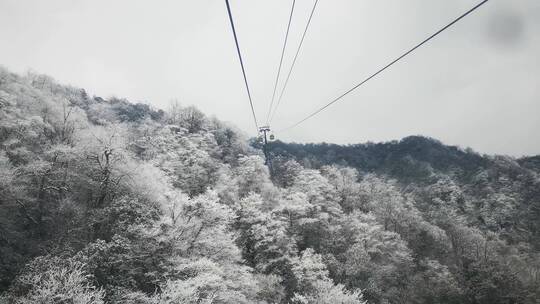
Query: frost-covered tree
point(315, 286)
point(55, 281)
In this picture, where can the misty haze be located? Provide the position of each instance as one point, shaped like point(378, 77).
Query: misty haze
point(279, 152)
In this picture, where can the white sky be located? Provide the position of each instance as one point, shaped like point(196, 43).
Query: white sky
point(476, 85)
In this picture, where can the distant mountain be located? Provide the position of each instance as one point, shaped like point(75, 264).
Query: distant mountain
point(418, 162)
point(532, 162)
point(414, 158)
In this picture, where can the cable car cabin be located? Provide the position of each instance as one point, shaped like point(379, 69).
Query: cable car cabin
point(272, 137)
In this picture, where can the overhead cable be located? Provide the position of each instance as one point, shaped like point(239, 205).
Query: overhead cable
point(386, 67)
point(242, 65)
point(281, 61)
point(294, 61)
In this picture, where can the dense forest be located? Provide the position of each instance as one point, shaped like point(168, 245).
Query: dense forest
point(108, 201)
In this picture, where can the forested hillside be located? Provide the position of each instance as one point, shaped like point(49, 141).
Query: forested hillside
point(107, 201)
point(491, 186)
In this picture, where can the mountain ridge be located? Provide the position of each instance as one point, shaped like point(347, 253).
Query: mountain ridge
point(108, 201)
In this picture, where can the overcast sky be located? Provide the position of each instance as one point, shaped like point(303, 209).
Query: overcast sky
point(476, 85)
